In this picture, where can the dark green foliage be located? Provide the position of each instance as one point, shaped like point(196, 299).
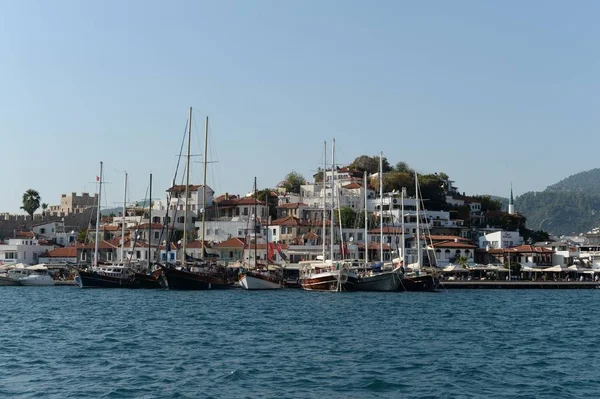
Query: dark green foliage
point(560, 212)
point(31, 201)
point(370, 164)
point(292, 182)
point(587, 182)
point(488, 203)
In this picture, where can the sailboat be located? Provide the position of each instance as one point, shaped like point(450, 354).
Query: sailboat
point(372, 278)
point(105, 276)
point(417, 280)
point(149, 278)
point(327, 275)
point(202, 275)
point(257, 278)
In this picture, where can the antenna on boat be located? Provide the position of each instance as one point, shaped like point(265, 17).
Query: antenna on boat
point(95, 264)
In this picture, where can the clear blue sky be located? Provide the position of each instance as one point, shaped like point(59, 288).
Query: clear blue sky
point(488, 92)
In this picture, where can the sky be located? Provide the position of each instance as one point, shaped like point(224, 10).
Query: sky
point(488, 92)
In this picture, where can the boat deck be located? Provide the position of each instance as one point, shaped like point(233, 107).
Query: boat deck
point(519, 284)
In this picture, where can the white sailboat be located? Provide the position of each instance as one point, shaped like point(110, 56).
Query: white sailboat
point(258, 278)
point(327, 275)
point(373, 279)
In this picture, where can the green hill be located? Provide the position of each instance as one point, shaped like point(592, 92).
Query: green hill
point(571, 206)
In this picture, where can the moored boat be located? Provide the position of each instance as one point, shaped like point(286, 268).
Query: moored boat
point(327, 277)
point(379, 281)
point(38, 276)
point(178, 279)
point(114, 276)
point(5, 280)
point(423, 282)
point(255, 280)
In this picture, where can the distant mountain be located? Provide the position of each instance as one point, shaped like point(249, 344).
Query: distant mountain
point(570, 206)
point(586, 182)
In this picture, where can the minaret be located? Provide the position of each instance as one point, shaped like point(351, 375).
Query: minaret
point(511, 202)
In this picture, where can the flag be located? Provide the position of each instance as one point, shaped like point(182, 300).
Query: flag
point(271, 251)
point(97, 178)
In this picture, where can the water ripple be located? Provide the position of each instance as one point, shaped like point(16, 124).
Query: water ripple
point(63, 342)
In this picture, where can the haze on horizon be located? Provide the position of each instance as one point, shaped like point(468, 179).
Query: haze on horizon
point(489, 93)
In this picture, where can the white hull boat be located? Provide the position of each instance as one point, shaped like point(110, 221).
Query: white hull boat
point(37, 280)
point(251, 282)
point(5, 280)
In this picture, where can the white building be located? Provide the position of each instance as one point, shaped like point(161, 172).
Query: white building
point(55, 231)
point(22, 250)
point(500, 239)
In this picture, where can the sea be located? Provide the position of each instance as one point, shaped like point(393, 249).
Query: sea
point(66, 342)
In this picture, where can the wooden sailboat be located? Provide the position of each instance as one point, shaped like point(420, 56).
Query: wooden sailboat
point(417, 280)
point(328, 275)
point(102, 276)
point(201, 274)
point(258, 278)
point(370, 278)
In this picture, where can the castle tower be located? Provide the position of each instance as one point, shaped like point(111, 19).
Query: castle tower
point(511, 202)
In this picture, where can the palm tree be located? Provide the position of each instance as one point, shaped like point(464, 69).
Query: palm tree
point(44, 206)
point(31, 201)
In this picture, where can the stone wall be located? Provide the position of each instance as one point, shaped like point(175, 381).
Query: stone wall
point(77, 222)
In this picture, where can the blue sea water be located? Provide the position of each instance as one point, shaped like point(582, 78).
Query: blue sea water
point(64, 342)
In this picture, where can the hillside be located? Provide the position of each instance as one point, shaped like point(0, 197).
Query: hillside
point(571, 206)
point(586, 182)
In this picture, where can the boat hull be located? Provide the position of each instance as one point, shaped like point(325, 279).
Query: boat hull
point(184, 280)
point(37, 280)
point(386, 281)
point(419, 283)
point(147, 281)
point(251, 281)
point(8, 281)
point(96, 280)
point(336, 280)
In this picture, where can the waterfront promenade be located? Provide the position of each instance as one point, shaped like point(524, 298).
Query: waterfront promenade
point(499, 284)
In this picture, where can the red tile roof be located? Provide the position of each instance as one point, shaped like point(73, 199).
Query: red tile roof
point(352, 186)
point(66, 252)
point(144, 226)
point(445, 238)
point(25, 234)
point(311, 235)
point(453, 244)
point(287, 221)
point(248, 201)
point(374, 245)
point(233, 242)
point(292, 205)
point(521, 249)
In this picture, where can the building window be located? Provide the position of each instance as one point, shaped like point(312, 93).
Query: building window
point(83, 256)
point(156, 219)
point(156, 234)
point(359, 236)
point(208, 232)
point(230, 254)
point(181, 219)
point(109, 256)
point(245, 211)
point(138, 254)
point(216, 232)
point(274, 232)
point(42, 231)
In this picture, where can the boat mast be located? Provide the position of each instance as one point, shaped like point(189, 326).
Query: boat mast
point(255, 225)
point(123, 224)
point(402, 196)
point(418, 217)
point(187, 188)
point(98, 217)
point(204, 186)
point(381, 206)
point(150, 225)
point(324, 191)
point(332, 198)
point(366, 221)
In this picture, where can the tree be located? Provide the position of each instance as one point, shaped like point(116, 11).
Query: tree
point(44, 207)
point(370, 164)
point(462, 261)
point(31, 201)
point(319, 175)
point(488, 203)
point(396, 180)
point(403, 167)
point(82, 236)
point(292, 182)
point(348, 217)
point(269, 197)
